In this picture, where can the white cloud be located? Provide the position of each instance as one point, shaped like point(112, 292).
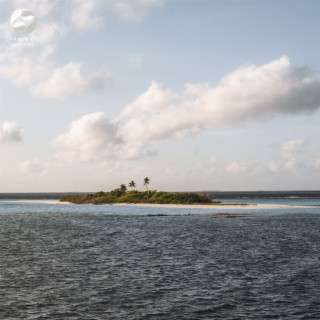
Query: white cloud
point(49, 32)
point(157, 114)
point(84, 14)
point(40, 8)
point(32, 68)
point(236, 167)
point(292, 157)
point(94, 138)
point(291, 150)
point(68, 81)
point(292, 146)
point(252, 92)
point(5, 31)
point(134, 10)
point(317, 163)
point(274, 166)
point(91, 132)
point(24, 69)
point(34, 166)
point(10, 132)
point(45, 80)
point(90, 13)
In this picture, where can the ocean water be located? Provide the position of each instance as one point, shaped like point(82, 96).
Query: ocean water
point(108, 262)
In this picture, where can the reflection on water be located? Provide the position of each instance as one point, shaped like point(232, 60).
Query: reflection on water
point(64, 265)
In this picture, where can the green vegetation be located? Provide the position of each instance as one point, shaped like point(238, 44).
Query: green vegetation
point(134, 196)
point(123, 188)
point(122, 195)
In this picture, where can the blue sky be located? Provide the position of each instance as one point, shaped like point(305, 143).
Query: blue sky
point(196, 95)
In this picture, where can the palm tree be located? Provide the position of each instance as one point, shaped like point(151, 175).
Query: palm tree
point(132, 184)
point(146, 181)
point(123, 188)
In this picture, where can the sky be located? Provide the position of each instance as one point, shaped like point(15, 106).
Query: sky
point(194, 94)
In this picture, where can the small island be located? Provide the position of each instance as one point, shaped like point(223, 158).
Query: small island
point(123, 195)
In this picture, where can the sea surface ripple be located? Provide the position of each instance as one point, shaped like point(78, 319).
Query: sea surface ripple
point(84, 266)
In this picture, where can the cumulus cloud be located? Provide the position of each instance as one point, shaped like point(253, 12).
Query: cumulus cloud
point(34, 166)
point(87, 14)
point(251, 92)
point(44, 79)
point(49, 32)
point(65, 81)
point(93, 137)
point(274, 166)
point(237, 167)
point(68, 81)
point(5, 31)
point(291, 150)
point(292, 157)
point(84, 14)
point(292, 146)
point(40, 8)
point(10, 132)
point(24, 69)
point(134, 10)
point(32, 67)
point(158, 114)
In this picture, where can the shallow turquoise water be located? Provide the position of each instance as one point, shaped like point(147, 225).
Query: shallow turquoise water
point(312, 206)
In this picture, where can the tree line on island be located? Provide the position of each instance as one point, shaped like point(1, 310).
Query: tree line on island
point(123, 195)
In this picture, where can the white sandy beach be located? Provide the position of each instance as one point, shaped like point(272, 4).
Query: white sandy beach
point(213, 206)
point(177, 206)
point(46, 201)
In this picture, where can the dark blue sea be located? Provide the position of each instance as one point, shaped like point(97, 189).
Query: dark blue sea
point(61, 261)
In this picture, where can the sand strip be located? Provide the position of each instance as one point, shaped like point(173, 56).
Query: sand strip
point(219, 206)
point(209, 206)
